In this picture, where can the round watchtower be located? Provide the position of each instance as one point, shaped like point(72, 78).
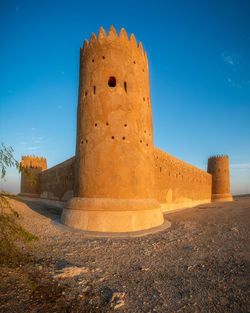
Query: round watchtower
point(114, 185)
point(218, 166)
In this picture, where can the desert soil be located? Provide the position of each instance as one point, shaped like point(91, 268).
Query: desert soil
point(199, 264)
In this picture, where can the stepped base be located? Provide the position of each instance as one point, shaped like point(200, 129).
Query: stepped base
point(112, 215)
point(222, 197)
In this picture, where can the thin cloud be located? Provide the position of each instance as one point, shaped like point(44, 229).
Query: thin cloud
point(33, 148)
point(231, 59)
point(23, 143)
point(240, 166)
point(233, 83)
point(37, 139)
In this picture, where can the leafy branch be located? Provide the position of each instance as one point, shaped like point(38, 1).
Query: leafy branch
point(11, 231)
point(7, 160)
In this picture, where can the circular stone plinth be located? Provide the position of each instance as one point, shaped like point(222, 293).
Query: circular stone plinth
point(112, 215)
point(222, 197)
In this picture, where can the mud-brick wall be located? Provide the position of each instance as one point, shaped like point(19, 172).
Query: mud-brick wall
point(179, 184)
point(57, 183)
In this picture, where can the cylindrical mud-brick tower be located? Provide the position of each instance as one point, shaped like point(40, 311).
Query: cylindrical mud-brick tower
point(114, 185)
point(218, 166)
point(34, 165)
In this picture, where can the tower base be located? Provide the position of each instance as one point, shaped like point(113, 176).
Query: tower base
point(31, 195)
point(112, 215)
point(222, 197)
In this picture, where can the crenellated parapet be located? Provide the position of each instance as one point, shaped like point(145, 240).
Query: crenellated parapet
point(218, 166)
point(102, 41)
point(29, 161)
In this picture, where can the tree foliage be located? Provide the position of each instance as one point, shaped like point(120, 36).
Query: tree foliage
point(12, 233)
point(7, 160)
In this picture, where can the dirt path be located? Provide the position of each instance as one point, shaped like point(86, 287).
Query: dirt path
point(199, 264)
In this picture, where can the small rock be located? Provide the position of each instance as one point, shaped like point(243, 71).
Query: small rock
point(101, 279)
point(117, 300)
point(235, 229)
point(224, 301)
point(117, 304)
point(106, 295)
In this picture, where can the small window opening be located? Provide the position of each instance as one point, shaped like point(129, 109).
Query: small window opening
point(86, 141)
point(143, 70)
point(160, 169)
point(112, 81)
point(125, 86)
point(113, 137)
point(147, 144)
point(86, 93)
point(103, 57)
point(93, 60)
point(145, 131)
point(125, 125)
point(94, 90)
point(134, 62)
point(107, 124)
point(140, 141)
point(143, 98)
point(81, 141)
point(95, 124)
point(123, 138)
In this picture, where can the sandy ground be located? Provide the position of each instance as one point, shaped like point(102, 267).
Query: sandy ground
point(199, 264)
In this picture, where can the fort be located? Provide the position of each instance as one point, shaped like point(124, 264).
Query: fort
point(118, 181)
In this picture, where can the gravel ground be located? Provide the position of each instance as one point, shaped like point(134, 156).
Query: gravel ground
point(199, 264)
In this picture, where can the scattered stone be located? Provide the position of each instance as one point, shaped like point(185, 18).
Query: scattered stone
point(70, 271)
point(155, 272)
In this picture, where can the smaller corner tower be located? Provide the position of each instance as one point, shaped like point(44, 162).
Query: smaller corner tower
point(218, 167)
point(35, 165)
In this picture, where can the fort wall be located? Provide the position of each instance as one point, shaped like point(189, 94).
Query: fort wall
point(57, 183)
point(179, 184)
point(118, 181)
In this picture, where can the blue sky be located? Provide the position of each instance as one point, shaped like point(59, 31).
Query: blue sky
point(199, 61)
